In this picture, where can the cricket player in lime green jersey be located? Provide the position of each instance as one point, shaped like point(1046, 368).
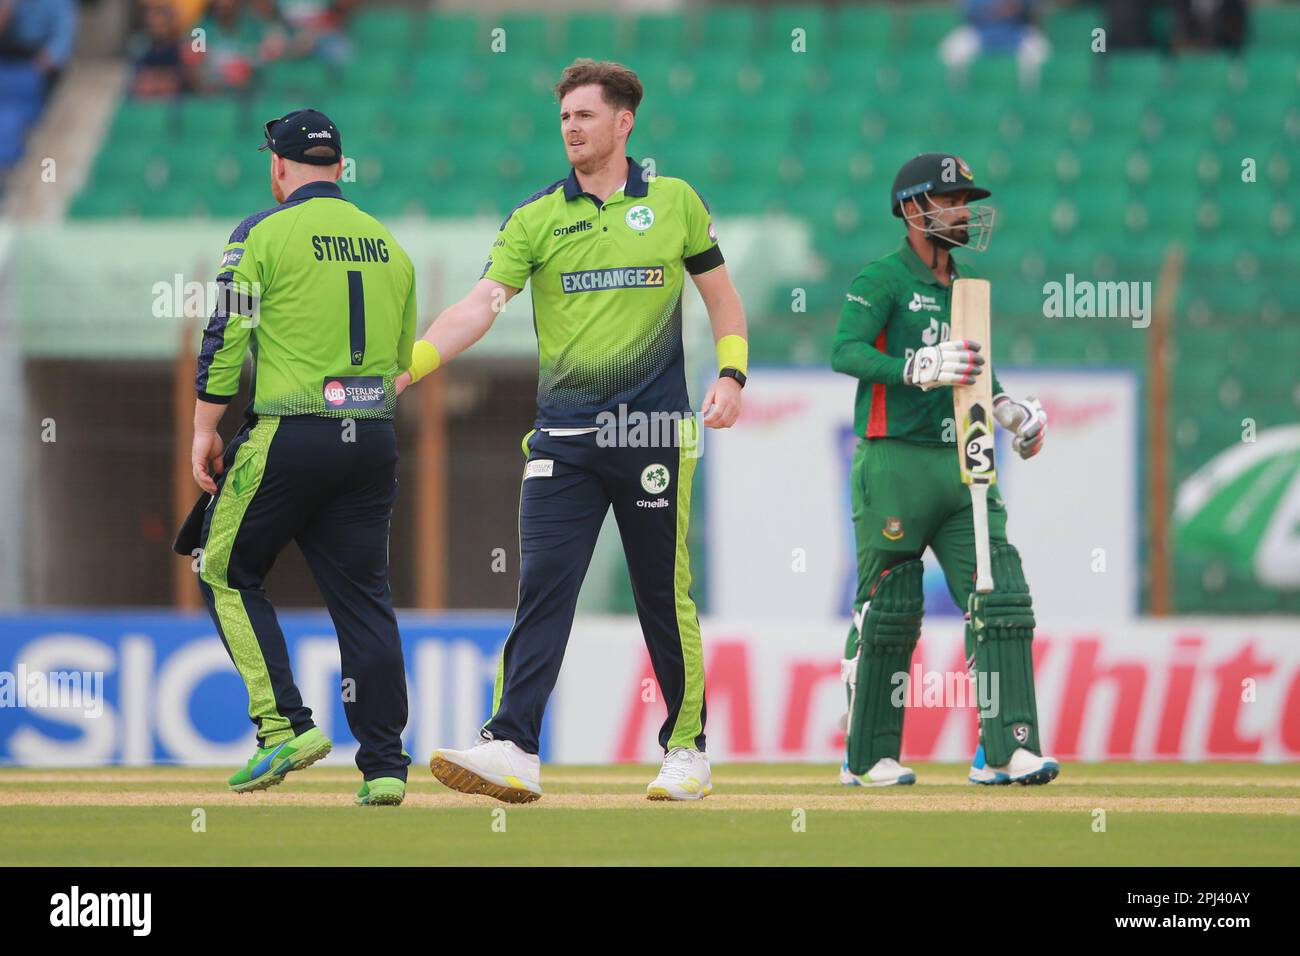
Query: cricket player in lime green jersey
point(323, 298)
point(605, 251)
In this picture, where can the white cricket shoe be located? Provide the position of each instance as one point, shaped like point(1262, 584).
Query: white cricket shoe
point(1027, 767)
point(981, 773)
point(886, 773)
point(684, 776)
point(495, 768)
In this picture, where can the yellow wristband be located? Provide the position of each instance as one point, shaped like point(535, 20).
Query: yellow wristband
point(424, 359)
point(733, 352)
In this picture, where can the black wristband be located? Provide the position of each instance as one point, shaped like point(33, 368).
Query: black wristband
point(735, 373)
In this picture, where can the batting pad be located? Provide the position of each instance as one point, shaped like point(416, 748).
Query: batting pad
point(891, 626)
point(1002, 630)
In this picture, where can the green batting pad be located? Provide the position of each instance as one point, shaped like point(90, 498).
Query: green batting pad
point(891, 626)
point(1002, 630)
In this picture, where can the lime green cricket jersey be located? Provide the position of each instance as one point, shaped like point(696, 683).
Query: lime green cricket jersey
point(324, 298)
point(894, 307)
point(606, 282)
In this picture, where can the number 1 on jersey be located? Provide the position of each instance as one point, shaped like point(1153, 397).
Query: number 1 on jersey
point(356, 317)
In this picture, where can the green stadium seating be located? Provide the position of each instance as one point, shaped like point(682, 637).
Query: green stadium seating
point(1124, 71)
point(535, 34)
point(447, 33)
point(923, 27)
point(1069, 72)
point(1275, 71)
point(995, 77)
point(777, 31)
point(858, 29)
point(380, 76)
point(382, 29)
point(600, 36)
point(142, 122)
point(658, 32)
point(296, 81)
point(1275, 28)
point(1070, 32)
point(722, 28)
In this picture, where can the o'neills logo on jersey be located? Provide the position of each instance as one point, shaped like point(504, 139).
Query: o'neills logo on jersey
point(576, 227)
point(354, 391)
point(626, 277)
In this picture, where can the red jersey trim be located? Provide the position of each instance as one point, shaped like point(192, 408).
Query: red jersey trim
point(876, 418)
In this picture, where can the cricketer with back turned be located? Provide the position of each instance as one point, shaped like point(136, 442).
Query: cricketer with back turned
point(324, 298)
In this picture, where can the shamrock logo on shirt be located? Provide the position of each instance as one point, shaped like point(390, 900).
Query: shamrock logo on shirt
point(640, 218)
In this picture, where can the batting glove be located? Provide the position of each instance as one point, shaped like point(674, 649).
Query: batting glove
point(948, 363)
point(1027, 420)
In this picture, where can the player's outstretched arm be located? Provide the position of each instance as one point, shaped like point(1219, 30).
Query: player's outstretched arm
point(730, 335)
point(455, 329)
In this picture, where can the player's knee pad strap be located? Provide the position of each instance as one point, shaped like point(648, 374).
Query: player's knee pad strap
point(891, 625)
point(1002, 630)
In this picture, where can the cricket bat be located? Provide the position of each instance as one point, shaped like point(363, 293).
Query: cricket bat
point(973, 413)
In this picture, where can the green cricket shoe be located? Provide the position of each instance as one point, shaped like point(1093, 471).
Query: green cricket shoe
point(381, 792)
point(268, 766)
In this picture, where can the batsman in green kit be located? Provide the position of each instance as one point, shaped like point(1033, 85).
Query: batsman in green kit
point(894, 336)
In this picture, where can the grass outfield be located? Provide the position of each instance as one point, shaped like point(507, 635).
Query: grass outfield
point(1155, 814)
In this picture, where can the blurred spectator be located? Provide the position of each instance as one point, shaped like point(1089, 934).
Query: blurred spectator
point(997, 27)
point(317, 28)
point(35, 43)
point(159, 66)
point(38, 33)
point(1209, 24)
point(1135, 24)
point(187, 12)
point(233, 42)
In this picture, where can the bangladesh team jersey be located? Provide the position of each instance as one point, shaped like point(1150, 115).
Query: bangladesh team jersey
point(606, 282)
point(324, 298)
point(894, 307)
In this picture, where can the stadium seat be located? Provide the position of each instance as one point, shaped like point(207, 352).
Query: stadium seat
point(777, 30)
point(858, 29)
point(1068, 72)
point(600, 36)
point(922, 28)
point(448, 33)
point(1124, 71)
point(662, 33)
point(1071, 32)
point(1272, 70)
point(722, 29)
point(295, 80)
point(382, 29)
point(1275, 28)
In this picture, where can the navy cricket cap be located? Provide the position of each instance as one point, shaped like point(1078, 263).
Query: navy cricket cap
point(293, 134)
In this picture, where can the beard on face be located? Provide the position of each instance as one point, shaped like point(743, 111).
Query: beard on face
point(952, 235)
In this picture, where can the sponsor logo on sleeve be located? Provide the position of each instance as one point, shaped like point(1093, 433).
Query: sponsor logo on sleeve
point(232, 257)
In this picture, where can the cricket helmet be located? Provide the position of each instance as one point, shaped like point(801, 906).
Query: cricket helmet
point(939, 174)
